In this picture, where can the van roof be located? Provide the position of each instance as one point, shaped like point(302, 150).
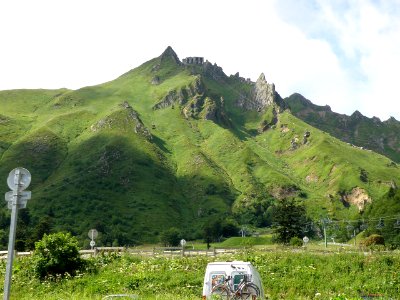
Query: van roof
point(237, 262)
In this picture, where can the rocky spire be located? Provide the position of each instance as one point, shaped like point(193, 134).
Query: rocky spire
point(170, 53)
point(262, 96)
point(264, 93)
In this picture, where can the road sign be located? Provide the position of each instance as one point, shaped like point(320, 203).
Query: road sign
point(19, 179)
point(306, 240)
point(25, 195)
point(92, 243)
point(183, 242)
point(92, 234)
point(23, 198)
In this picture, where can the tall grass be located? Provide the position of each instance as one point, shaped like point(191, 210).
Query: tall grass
point(286, 275)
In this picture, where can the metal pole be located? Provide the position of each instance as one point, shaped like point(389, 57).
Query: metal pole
point(11, 241)
point(326, 243)
point(92, 239)
point(355, 238)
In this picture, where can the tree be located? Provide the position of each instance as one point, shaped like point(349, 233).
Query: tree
point(170, 237)
point(289, 220)
point(212, 231)
point(229, 228)
point(57, 254)
point(253, 210)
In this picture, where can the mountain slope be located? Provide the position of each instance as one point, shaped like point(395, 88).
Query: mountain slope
point(171, 144)
point(382, 137)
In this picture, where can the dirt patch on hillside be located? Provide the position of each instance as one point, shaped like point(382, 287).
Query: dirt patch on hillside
point(284, 128)
point(283, 192)
point(311, 178)
point(357, 197)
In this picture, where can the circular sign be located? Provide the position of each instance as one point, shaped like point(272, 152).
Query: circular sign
point(19, 179)
point(183, 242)
point(306, 240)
point(92, 234)
point(92, 243)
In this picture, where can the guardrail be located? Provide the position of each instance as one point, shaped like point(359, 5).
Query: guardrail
point(163, 251)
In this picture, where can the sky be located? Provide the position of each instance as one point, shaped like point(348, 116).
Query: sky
point(342, 53)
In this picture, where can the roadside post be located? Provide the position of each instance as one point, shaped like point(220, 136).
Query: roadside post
point(305, 241)
point(18, 180)
point(183, 243)
point(92, 234)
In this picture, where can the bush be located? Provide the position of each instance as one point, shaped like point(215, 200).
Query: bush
point(57, 254)
point(170, 237)
point(296, 242)
point(373, 239)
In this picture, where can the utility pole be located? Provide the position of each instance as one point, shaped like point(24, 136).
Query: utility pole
point(355, 237)
point(324, 222)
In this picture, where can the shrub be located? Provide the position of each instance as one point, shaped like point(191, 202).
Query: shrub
point(373, 239)
point(56, 254)
point(170, 237)
point(296, 242)
point(363, 175)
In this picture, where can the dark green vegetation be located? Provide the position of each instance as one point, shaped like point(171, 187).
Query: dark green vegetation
point(370, 133)
point(57, 254)
point(285, 275)
point(289, 221)
point(172, 145)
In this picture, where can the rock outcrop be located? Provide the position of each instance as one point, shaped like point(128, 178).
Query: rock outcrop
point(356, 129)
point(264, 93)
point(262, 96)
point(155, 80)
point(126, 119)
point(357, 197)
point(213, 71)
point(182, 95)
point(169, 53)
point(194, 103)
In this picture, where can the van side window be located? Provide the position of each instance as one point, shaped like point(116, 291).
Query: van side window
point(217, 278)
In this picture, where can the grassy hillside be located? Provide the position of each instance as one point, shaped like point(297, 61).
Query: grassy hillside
point(166, 145)
point(370, 133)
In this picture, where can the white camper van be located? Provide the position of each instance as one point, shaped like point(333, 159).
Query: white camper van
point(230, 273)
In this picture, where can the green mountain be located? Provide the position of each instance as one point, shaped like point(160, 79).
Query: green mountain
point(176, 143)
point(370, 133)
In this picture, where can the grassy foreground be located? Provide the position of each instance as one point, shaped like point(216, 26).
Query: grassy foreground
point(286, 274)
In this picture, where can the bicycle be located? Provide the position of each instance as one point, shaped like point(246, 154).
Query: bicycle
point(245, 290)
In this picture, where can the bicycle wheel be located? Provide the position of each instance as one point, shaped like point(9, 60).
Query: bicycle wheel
point(220, 292)
point(249, 291)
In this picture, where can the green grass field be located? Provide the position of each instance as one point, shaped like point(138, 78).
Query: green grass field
point(286, 273)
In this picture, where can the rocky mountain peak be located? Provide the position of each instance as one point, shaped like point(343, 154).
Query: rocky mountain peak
point(170, 53)
point(391, 120)
point(356, 115)
point(261, 78)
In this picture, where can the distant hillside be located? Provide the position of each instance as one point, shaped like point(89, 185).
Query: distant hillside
point(176, 143)
point(371, 133)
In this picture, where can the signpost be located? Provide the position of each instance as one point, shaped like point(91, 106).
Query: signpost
point(92, 234)
point(183, 243)
point(305, 240)
point(18, 180)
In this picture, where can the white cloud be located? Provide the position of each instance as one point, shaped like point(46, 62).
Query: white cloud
point(365, 39)
point(344, 55)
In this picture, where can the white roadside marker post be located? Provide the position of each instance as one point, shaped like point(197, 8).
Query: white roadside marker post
point(18, 180)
